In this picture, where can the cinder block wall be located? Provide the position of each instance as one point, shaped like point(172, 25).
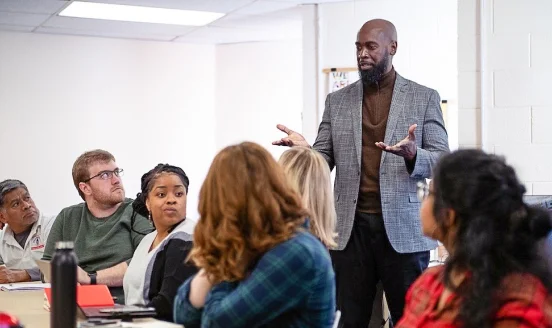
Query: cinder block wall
point(505, 98)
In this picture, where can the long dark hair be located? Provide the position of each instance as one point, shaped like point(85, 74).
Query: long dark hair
point(139, 204)
point(497, 233)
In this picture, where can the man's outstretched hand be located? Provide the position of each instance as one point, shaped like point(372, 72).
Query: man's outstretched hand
point(293, 138)
point(405, 148)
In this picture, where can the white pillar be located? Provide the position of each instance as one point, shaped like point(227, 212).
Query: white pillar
point(311, 72)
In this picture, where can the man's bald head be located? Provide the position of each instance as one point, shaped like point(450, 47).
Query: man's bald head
point(376, 45)
point(383, 26)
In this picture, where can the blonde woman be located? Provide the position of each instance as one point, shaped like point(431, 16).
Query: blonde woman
point(309, 174)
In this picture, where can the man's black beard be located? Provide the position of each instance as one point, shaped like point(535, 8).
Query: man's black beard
point(374, 75)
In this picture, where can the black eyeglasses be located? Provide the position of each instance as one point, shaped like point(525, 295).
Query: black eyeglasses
point(107, 175)
point(422, 190)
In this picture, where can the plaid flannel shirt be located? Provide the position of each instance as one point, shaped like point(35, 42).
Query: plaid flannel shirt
point(292, 285)
point(523, 303)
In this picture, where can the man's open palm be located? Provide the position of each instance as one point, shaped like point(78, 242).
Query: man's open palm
point(293, 138)
point(405, 148)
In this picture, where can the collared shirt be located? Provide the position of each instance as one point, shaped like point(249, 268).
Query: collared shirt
point(13, 256)
point(522, 302)
point(292, 285)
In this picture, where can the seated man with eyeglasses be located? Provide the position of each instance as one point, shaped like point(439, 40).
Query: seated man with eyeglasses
point(104, 229)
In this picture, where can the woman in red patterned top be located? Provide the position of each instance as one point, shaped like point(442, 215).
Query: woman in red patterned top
point(496, 274)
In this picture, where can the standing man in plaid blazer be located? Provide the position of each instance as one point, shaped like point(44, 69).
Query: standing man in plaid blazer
point(362, 135)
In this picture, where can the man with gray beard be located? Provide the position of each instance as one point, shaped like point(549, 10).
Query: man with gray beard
point(105, 230)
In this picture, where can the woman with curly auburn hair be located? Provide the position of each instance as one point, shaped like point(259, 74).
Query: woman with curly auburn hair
point(309, 174)
point(496, 274)
point(260, 267)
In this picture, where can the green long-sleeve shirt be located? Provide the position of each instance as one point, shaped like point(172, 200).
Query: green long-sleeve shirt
point(99, 243)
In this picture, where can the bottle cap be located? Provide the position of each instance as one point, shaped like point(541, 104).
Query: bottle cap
point(64, 245)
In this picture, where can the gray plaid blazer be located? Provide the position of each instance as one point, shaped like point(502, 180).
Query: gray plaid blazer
point(339, 140)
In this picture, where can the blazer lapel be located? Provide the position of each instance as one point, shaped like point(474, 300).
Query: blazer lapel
point(397, 107)
point(356, 108)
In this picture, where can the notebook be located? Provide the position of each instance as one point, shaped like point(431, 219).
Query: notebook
point(89, 296)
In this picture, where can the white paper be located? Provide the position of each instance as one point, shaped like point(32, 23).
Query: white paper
point(23, 286)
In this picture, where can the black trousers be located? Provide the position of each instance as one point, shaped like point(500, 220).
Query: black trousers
point(367, 259)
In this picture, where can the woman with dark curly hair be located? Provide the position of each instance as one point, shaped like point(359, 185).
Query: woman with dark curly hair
point(496, 275)
point(260, 266)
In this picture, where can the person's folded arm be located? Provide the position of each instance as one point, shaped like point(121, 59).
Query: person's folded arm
point(13, 275)
point(112, 277)
point(280, 279)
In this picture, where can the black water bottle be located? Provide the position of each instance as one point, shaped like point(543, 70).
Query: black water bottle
point(64, 286)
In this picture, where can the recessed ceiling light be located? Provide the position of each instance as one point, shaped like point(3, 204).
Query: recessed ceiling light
point(139, 14)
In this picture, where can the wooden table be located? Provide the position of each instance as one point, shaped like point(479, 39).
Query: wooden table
point(27, 306)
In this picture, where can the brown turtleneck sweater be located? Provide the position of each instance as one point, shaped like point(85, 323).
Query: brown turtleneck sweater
point(375, 110)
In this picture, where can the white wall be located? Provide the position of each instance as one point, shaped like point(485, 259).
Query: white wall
point(145, 102)
point(513, 92)
point(427, 43)
point(258, 85)
point(469, 74)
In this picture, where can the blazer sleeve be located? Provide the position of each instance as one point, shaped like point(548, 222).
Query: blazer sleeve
point(176, 271)
point(434, 139)
point(324, 143)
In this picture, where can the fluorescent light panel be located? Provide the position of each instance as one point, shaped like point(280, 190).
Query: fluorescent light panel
point(139, 14)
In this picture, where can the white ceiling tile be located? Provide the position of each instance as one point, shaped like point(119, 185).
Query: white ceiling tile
point(108, 26)
point(33, 6)
point(264, 7)
point(218, 35)
point(292, 13)
point(105, 34)
point(16, 28)
point(11, 18)
point(247, 21)
point(255, 22)
point(220, 6)
point(306, 2)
